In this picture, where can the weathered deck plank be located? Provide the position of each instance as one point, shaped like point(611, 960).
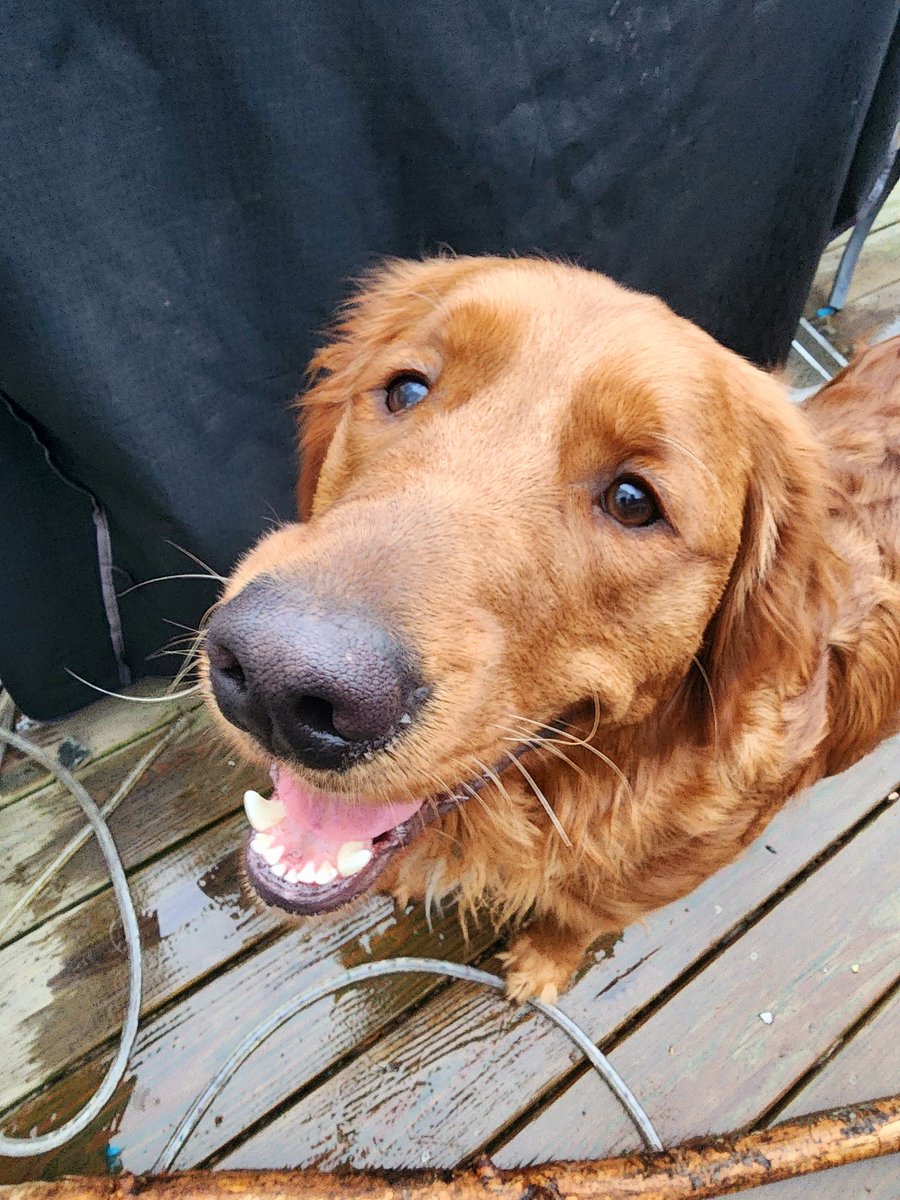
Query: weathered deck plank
point(63, 986)
point(205, 1027)
point(707, 1062)
point(875, 317)
point(191, 785)
point(866, 1067)
point(91, 734)
point(468, 1067)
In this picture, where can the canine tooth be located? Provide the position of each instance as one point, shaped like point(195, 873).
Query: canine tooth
point(326, 873)
point(273, 854)
point(280, 869)
point(261, 813)
point(262, 841)
point(307, 873)
point(406, 719)
point(352, 857)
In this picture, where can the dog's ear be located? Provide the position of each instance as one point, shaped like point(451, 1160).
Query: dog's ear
point(772, 618)
point(388, 300)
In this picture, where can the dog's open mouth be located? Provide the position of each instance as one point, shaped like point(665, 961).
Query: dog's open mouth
point(312, 851)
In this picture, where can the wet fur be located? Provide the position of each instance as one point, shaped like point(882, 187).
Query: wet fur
point(720, 665)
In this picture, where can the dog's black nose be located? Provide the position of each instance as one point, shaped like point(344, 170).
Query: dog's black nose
point(322, 686)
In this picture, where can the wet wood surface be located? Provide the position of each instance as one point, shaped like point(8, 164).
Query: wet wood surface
point(778, 998)
point(176, 796)
point(870, 1058)
point(200, 1032)
point(700, 1170)
point(63, 986)
point(89, 734)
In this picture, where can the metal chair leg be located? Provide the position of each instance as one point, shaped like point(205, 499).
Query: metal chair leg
point(847, 265)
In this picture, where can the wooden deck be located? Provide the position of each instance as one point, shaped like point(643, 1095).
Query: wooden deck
point(414, 1071)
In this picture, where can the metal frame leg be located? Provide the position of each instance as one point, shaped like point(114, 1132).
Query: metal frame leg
point(844, 275)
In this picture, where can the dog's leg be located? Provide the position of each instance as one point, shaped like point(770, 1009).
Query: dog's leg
point(544, 956)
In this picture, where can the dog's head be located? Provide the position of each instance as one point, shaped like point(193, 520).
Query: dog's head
point(527, 493)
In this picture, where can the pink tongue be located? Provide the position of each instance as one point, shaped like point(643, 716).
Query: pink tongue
point(335, 818)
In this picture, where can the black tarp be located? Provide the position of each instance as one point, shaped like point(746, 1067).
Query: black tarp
point(187, 185)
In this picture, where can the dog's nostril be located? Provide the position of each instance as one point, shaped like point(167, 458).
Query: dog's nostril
point(316, 714)
point(226, 664)
point(319, 687)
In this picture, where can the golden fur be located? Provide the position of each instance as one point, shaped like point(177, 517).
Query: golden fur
point(706, 668)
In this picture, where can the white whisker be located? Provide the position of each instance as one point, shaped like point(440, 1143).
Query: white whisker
point(609, 762)
point(670, 441)
point(473, 794)
point(494, 778)
point(538, 743)
point(198, 561)
point(165, 699)
point(596, 724)
point(712, 700)
point(164, 579)
point(558, 825)
point(178, 625)
point(572, 740)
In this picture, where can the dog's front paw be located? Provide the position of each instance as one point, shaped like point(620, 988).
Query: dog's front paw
point(534, 972)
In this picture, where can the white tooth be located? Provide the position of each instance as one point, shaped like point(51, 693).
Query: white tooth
point(326, 873)
point(293, 876)
point(273, 854)
point(350, 848)
point(261, 813)
point(307, 873)
point(406, 719)
point(352, 857)
point(261, 841)
point(280, 869)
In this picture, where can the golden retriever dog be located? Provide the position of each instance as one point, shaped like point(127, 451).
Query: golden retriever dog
point(578, 600)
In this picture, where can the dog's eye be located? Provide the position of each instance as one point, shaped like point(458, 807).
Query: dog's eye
point(405, 391)
point(631, 502)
